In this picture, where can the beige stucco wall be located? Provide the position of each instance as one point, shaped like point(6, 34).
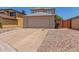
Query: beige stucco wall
point(39, 21)
point(20, 19)
point(75, 23)
point(8, 23)
point(20, 22)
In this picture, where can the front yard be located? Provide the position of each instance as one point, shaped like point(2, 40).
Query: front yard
point(41, 40)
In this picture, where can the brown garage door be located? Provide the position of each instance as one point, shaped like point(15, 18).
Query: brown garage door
point(38, 22)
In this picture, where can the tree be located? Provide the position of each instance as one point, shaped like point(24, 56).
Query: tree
point(57, 21)
point(58, 17)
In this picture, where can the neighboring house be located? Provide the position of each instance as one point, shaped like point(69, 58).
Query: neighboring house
point(71, 23)
point(74, 22)
point(10, 18)
point(40, 18)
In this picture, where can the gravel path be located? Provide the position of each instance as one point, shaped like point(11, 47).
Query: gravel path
point(60, 40)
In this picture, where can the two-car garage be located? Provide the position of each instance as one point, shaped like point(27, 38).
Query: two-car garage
point(39, 21)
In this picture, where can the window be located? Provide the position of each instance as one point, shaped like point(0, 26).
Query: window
point(41, 11)
point(33, 11)
point(12, 13)
point(1, 12)
point(36, 11)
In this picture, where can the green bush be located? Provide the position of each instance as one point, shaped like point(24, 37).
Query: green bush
point(58, 18)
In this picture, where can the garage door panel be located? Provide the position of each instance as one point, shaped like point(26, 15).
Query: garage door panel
point(38, 22)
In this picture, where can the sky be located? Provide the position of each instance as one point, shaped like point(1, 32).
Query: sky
point(64, 12)
point(67, 12)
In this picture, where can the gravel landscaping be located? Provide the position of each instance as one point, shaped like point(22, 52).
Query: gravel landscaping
point(60, 41)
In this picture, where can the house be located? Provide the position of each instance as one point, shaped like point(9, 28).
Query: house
point(10, 18)
point(71, 23)
point(74, 22)
point(40, 18)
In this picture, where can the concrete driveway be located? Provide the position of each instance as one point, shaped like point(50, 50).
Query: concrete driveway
point(24, 39)
point(40, 40)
